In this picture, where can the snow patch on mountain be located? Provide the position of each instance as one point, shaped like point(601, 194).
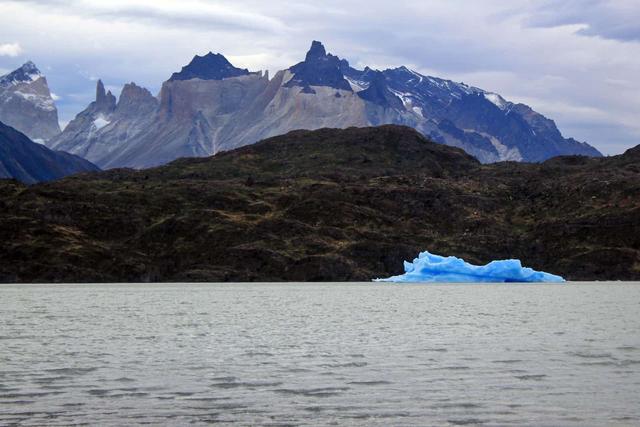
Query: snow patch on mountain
point(405, 97)
point(357, 85)
point(40, 101)
point(28, 73)
point(496, 100)
point(418, 75)
point(15, 81)
point(100, 122)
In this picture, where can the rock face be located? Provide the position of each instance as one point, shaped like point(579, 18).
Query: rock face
point(27, 105)
point(212, 106)
point(329, 204)
point(28, 162)
point(106, 126)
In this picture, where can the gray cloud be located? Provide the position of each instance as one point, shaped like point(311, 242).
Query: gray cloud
point(610, 19)
point(198, 14)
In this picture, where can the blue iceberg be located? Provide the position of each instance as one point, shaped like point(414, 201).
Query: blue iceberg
point(430, 268)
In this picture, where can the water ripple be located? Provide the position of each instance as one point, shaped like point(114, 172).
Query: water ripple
point(319, 354)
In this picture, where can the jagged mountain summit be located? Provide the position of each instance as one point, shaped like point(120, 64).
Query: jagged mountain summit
point(29, 162)
point(122, 120)
point(209, 67)
point(27, 73)
point(27, 105)
point(318, 69)
point(212, 106)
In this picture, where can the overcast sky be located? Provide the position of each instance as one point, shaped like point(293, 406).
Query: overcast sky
point(576, 61)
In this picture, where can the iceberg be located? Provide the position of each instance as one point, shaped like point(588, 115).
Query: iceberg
point(430, 268)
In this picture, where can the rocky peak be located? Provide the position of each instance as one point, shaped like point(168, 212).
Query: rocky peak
point(316, 52)
point(318, 69)
point(134, 98)
point(209, 67)
point(100, 92)
point(27, 73)
point(26, 103)
point(131, 91)
point(104, 100)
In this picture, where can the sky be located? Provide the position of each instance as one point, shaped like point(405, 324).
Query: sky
point(575, 61)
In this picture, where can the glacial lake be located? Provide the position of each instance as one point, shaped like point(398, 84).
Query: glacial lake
point(320, 354)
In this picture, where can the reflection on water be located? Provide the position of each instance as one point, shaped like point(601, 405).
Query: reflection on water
point(318, 354)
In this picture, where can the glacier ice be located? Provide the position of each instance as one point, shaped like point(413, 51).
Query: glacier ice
point(430, 268)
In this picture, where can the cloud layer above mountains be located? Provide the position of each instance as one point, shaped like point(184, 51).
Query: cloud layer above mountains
point(573, 60)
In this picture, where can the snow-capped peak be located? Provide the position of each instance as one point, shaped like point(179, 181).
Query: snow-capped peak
point(27, 73)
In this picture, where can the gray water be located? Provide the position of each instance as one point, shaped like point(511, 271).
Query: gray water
point(320, 354)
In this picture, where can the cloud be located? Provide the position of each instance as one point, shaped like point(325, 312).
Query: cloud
point(610, 19)
point(10, 49)
point(190, 14)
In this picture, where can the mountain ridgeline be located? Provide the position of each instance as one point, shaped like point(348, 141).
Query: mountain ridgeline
point(324, 205)
point(29, 162)
point(211, 106)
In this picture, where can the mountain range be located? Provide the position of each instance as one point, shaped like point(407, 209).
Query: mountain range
point(29, 162)
point(212, 106)
point(324, 205)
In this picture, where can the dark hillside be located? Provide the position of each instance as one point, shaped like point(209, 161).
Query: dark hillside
point(324, 205)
